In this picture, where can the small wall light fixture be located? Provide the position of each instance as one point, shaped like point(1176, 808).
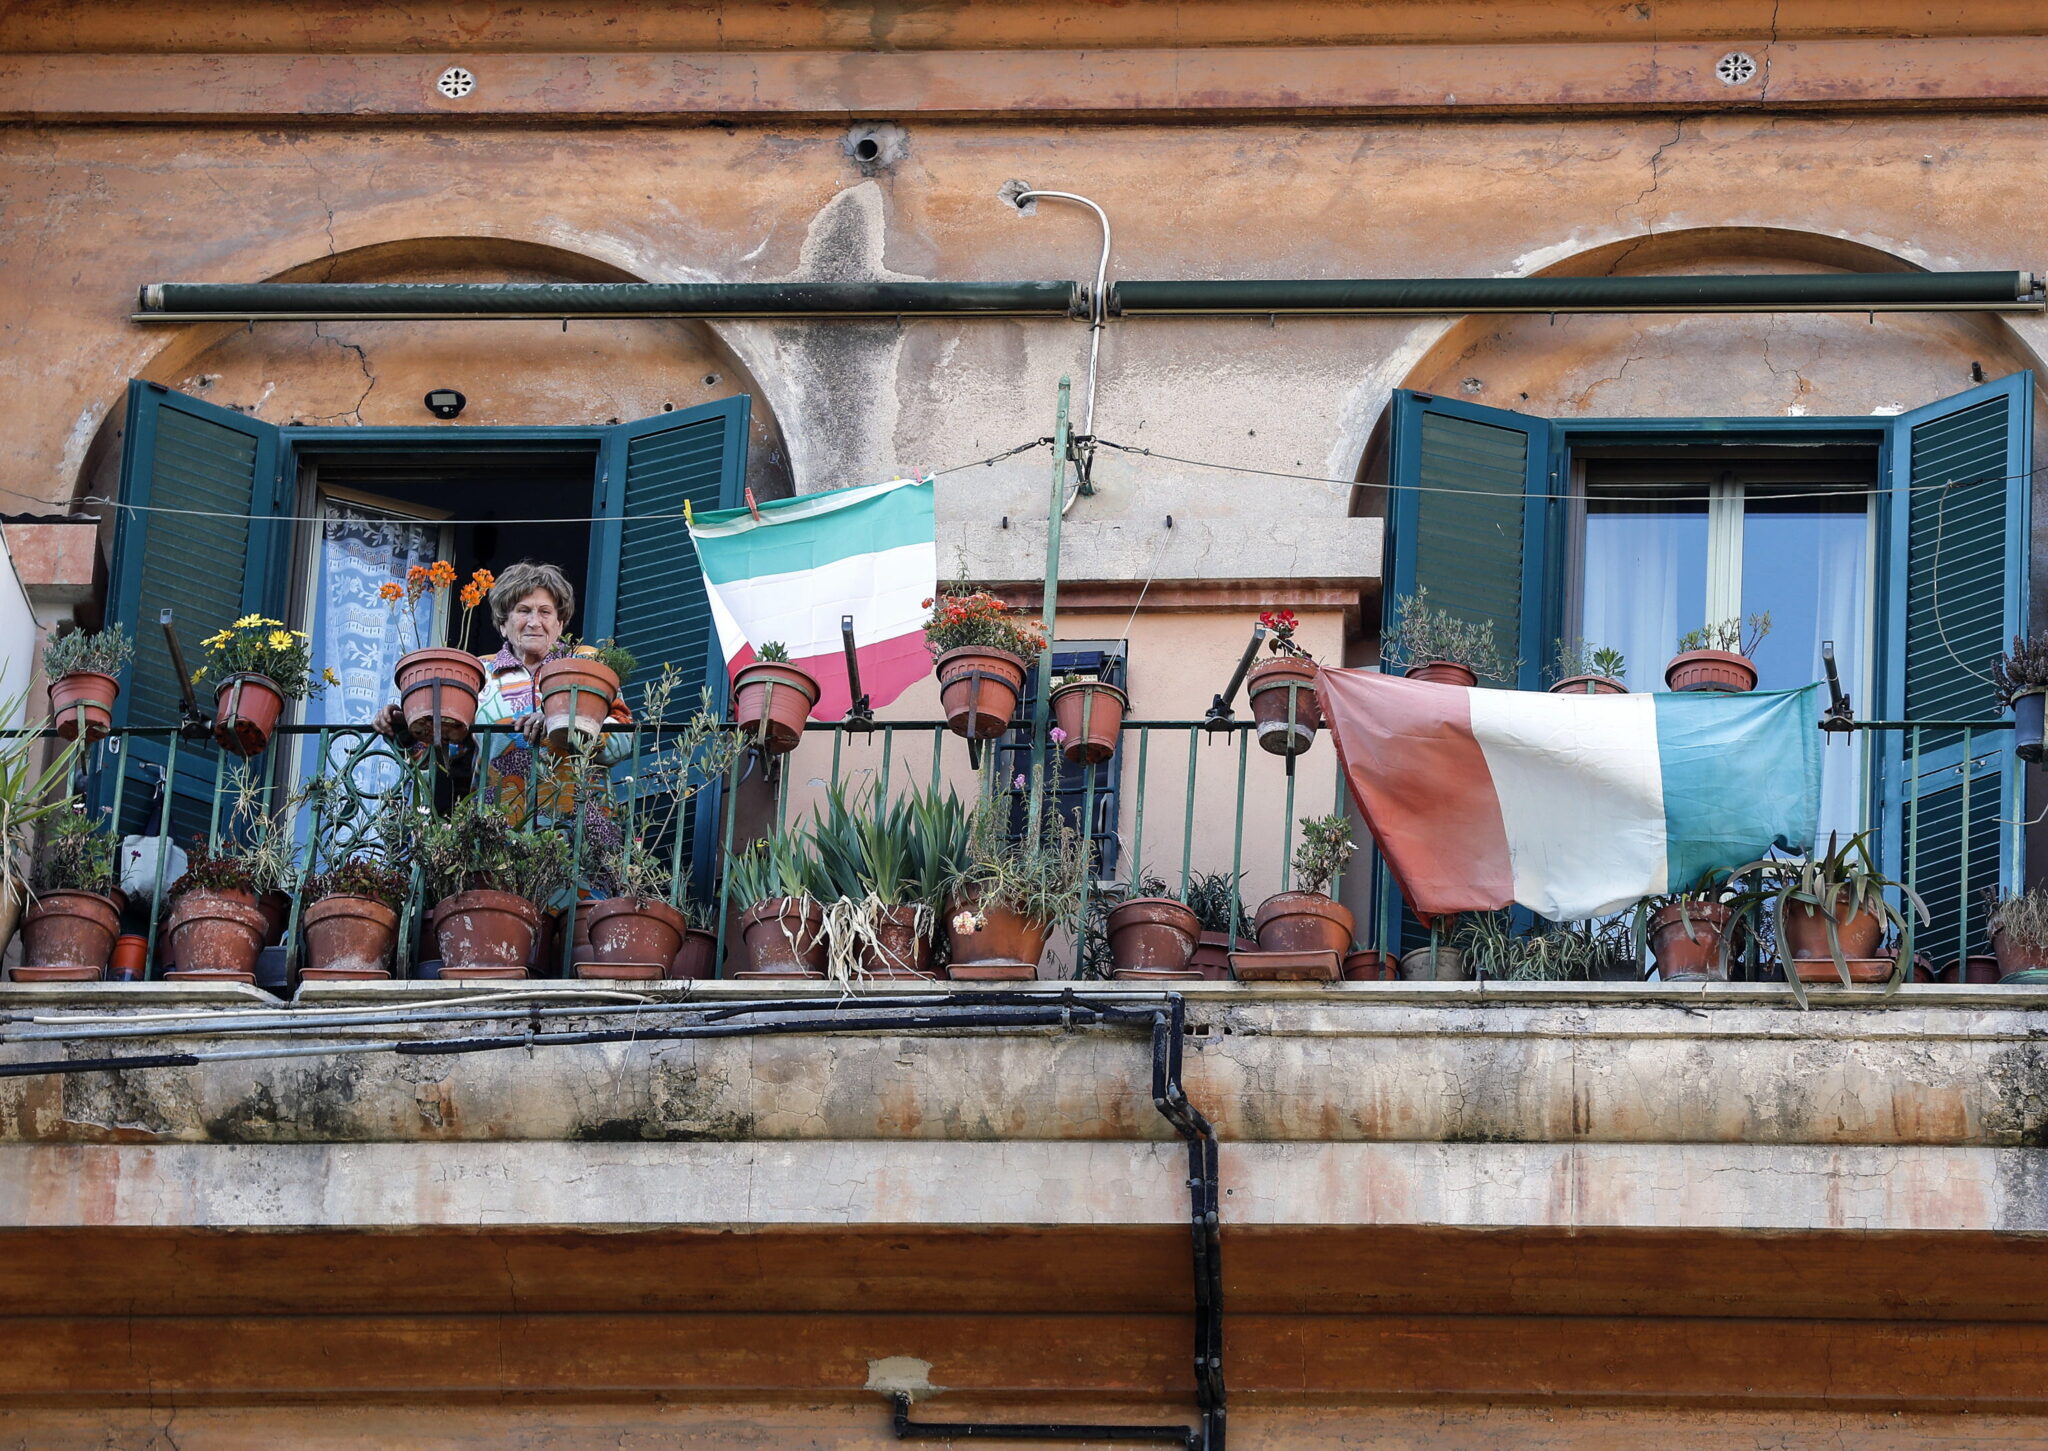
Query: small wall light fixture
point(445, 402)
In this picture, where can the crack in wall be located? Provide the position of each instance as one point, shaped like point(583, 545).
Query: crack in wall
point(369, 377)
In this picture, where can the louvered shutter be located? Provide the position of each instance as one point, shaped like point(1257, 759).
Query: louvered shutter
point(1956, 589)
point(192, 477)
point(1471, 519)
point(646, 587)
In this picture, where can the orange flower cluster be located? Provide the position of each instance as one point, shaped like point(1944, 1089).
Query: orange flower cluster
point(980, 619)
point(391, 591)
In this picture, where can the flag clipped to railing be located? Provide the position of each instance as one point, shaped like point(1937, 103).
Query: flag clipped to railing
point(786, 571)
point(1573, 806)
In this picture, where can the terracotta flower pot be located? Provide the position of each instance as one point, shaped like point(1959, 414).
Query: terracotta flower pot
point(1804, 931)
point(1271, 686)
point(771, 701)
point(130, 959)
point(2017, 956)
point(633, 930)
point(85, 691)
point(978, 686)
point(784, 937)
point(698, 958)
point(1092, 715)
point(72, 930)
point(1449, 965)
point(1442, 672)
point(1861, 969)
point(1369, 965)
point(1722, 670)
point(1303, 922)
point(992, 942)
point(348, 937)
point(459, 677)
point(1687, 941)
point(216, 933)
point(1589, 685)
point(1211, 956)
point(901, 950)
point(575, 695)
point(246, 709)
point(1153, 934)
point(485, 934)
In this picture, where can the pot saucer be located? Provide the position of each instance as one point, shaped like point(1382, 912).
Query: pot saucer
point(57, 972)
point(1157, 974)
point(2026, 975)
point(209, 974)
point(343, 974)
point(1284, 966)
point(993, 970)
point(626, 971)
point(796, 975)
point(482, 974)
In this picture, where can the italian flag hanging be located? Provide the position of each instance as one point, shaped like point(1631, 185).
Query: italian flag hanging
point(787, 570)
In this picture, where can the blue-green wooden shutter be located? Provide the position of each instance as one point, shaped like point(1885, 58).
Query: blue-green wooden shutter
point(197, 535)
point(646, 587)
point(1471, 518)
point(1955, 593)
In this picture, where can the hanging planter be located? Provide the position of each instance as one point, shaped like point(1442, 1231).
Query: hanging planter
point(771, 701)
point(1091, 712)
point(68, 937)
point(437, 693)
point(83, 696)
point(575, 693)
point(348, 938)
point(1153, 936)
point(246, 710)
point(1282, 691)
point(2021, 675)
point(486, 934)
point(978, 687)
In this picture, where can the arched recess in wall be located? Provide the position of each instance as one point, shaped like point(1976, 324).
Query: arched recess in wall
point(1690, 365)
point(512, 372)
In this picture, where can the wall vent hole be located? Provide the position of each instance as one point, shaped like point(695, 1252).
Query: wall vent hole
point(455, 83)
point(1736, 68)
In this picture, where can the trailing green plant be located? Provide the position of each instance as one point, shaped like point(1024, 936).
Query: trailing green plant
point(1324, 850)
point(773, 652)
point(475, 847)
point(1549, 952)
point(31, 797)
point(778, 865)
point(257, 848)
point(1036, 871)
point(2022, 669)
point(1420, 633)
point(258, 645)
point(1577, 657)
point(2022, 917)
point(1736, 636)
point(1216, 900)
point(76, 854)
point(635, 852)
point(606, 652)
point(360, 877)
point(877, 859)
point(1837, 884)
point(105, 652)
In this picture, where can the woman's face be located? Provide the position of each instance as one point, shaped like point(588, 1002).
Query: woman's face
point(533, 626)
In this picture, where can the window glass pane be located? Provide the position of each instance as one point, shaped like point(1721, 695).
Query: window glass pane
point(1805, 558)
point(1645, 578)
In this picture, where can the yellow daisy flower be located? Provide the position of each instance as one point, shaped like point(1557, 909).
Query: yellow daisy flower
point(280, 640)
point(330, 677)
point(248, 620)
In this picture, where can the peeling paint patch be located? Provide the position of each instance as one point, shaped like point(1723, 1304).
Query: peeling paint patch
point(902, 1374)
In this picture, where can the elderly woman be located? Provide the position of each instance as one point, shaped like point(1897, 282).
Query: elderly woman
point(531, 604)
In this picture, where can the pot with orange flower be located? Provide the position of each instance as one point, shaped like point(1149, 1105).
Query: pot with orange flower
point(437, 686)
point(983, 651)
point(1010, 890)
point(1440, 646)
point(83, 669)
point(1282, 690)
point(255, 665)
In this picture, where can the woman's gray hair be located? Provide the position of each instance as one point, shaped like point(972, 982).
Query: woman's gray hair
point(522, 579)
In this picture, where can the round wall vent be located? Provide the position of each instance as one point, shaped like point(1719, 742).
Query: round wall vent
point(1735, 68)
point(455, 82)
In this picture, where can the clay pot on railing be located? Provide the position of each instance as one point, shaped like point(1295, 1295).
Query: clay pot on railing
point(1719, 670)
point(697, 960)
point(1211, 957)
point(348, 938)
point(1804, 931)
point(246, 709)
point(1686, 941)
point(899, 949)
point(992, 943)
point(1442, 672)
point(1366, 965)
point(1153, 936)
point(575, 694)
point(130, 960)
point(85, 693)
point(215, 935)
point(771, 700)
point(67, 937)
point(1282, 692)
point(978, 686)
point(1303, 922)
point(1447, 965)
point(485, 934)
point(1588, 685)
point(784, 937)
point(437, 693)
point(630, 937)
point(1091, 712)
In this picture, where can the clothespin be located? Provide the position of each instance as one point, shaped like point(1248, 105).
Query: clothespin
point(689, 515)
point(754, 508)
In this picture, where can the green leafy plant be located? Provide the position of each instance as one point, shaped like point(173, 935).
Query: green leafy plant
point(773, 652)
point(606, 652)
point(1836, 885)
point(258, 645)
point(962, 617)
point(106, 652)
point(31, 796)
point(878, 857)
point(1738, 637)
point(257, 850)
point(212, 870)
point(1578, 657)
point(360, 877)
point(778, 865)
point(2022, 669)
point(1420, 634)
point(636, 852)
point(1035, 872)
point(1550, 952)
point(1216, 900)
point(76, 855)
point(1324, 850)
point(476, 848)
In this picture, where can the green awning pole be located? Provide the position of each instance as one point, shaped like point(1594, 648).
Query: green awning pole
point(1041, 708)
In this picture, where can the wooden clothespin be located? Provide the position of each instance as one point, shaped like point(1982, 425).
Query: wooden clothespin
point(689, 515)
point(754, 508)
